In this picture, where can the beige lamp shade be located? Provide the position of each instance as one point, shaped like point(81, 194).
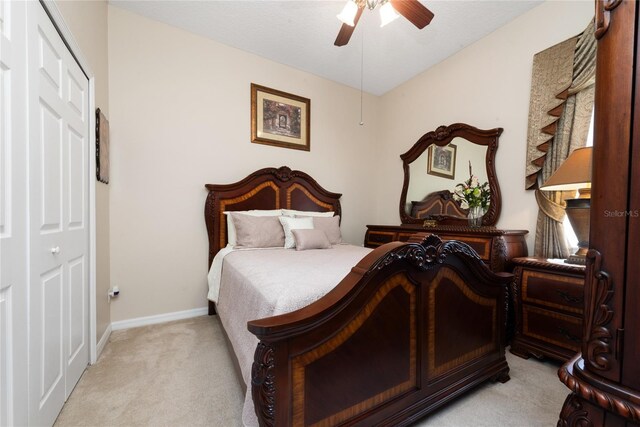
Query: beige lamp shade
point(573, 174)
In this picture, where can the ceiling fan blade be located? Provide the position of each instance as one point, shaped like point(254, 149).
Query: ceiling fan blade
point(346, 30)
point(414, 11)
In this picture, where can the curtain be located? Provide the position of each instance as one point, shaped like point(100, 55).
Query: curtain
point(569, 132)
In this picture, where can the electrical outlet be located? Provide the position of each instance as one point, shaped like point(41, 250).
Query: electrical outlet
point(113, 292)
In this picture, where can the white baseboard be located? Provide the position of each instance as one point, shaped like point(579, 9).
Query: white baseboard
point(103, 341)
point(159, 318)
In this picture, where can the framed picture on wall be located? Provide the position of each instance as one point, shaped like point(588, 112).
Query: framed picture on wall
point(102, 147)
point(441, 161)
point(279, 118)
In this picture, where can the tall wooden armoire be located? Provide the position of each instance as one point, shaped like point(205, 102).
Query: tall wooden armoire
point(605, 377)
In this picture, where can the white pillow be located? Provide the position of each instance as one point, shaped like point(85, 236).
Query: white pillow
point(291, 212)
point(289, 224)
point(231, 229)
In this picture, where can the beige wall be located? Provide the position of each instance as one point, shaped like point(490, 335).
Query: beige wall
point(87, 21)
point(486, 85)
point(180, 118)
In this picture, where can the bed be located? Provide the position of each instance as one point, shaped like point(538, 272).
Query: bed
point(408, 328)
point(437, 204)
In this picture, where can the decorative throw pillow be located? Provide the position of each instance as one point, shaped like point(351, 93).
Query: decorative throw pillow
point(257, 231)
point(292, 212)
point(289, 224)
point(330, 226)
point(231, 229)
point(310, 239)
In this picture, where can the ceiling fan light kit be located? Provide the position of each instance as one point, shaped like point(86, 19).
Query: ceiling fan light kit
point(412, 10)
point(348, 13)
point(387, 14)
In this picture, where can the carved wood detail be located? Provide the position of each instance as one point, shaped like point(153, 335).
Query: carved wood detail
point(573, 413)
point(603, 15)
point(429, 252)
point(592, 393)
point(499, 256)
point(263, 387)
point(597, 347)
point(515, 297)
point(466, 229)
point(562, 268)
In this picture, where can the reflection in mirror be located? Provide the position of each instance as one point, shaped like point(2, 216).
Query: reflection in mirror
point(438, 162)
point(425, 182)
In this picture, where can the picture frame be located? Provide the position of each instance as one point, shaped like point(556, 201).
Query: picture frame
point(102, 147)
point(441, 161)
point(280, 119)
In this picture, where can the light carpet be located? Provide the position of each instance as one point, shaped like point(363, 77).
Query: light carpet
point(181, 374)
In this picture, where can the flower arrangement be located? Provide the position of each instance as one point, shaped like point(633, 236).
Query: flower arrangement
point(471, 194)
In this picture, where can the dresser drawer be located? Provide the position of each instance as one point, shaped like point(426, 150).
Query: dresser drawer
point(553, 290)
point(554, 328)
point(481, 245)
point(404, 237)
point(379, 238)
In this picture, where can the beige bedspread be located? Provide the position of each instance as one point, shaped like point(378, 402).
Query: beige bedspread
point(263, 283)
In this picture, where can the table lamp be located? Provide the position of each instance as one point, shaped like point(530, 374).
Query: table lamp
point(575, 174)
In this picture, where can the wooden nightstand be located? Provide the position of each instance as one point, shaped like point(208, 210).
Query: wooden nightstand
point(548, 300)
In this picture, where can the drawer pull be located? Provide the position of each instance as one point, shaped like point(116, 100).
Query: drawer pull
point(569, 336)
point(570, 298)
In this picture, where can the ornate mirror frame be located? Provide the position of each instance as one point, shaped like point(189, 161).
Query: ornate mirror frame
point(443, 135)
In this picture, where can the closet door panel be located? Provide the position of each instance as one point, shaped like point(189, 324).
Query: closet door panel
point(59, 130)
point(48, 249)
point(13, 213)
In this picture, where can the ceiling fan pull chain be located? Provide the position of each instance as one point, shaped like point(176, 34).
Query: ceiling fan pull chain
point(361, 76)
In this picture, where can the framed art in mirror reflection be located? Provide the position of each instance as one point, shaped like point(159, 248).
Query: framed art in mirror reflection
point(441, 161)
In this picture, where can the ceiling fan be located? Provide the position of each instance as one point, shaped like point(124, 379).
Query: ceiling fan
point(413, 10)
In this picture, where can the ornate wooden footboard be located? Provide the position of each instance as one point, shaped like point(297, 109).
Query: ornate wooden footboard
point(411, 327)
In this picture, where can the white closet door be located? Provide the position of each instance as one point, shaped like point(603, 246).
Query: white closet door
point(13, 214)
point(59, 235)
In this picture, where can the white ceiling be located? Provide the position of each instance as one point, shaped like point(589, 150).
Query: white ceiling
point(300, 33)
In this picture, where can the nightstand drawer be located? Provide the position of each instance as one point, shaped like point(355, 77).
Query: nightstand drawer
point(553, 290)
point(554, 328)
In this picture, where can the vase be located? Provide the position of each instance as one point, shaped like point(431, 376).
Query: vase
point(475, 216)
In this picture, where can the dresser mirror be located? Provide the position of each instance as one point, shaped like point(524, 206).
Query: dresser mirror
point(439, 161)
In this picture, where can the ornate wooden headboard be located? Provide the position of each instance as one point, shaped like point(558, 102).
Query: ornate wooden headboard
point(269, 188)
point(438, 203)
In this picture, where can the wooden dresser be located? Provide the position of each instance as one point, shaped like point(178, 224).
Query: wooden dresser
point(549, 301)
point(495, 247)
